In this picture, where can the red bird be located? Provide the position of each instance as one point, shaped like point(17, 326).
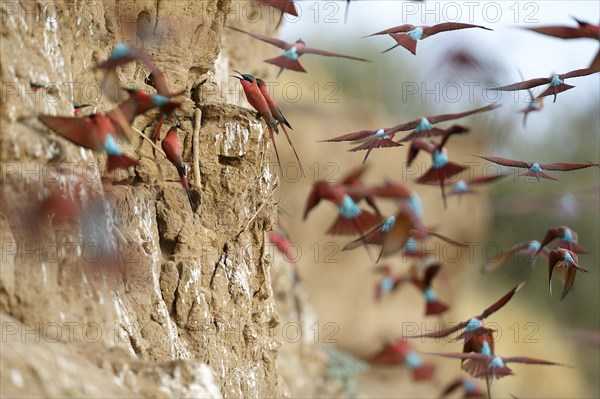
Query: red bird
point(259, 103)
point(389, 282)
point(408, 35)
point(567, 239)
point(97, 132)
point(401, 352)
point(285, 6)
point(583, 30)
point(525, 250)
point(281, 239)
point(432, 305)
point(534, 104)
point(556, 82)
point(537, 169)
point(422, 127)
point(441, 168)
point(158, 80)
point(462, 187)
point(351, 218)
point(470, 389)
point(567, 261)
point(357, 190)
point(278, 115)
point(170, 146)
point(293, 51)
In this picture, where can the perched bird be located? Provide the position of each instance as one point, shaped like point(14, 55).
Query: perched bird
point(293, 51)
point(96, 132)
point(278, 115)
point(259, 103)
point(566, 260)
point(474, 326)
point(285, 6)
point(441, 168)
point(582, 30)
point(401, 352)
point(170, 145)
point(537, 169)
point(433, 306)
point(556, 82)
point(352, 219)
point(408, 35)
point(567, 239)
point(389, 281)
point(471, 390)
point(495, 366)
point(422, 127)
point(525, 250)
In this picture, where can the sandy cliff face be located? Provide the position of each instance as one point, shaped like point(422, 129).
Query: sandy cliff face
point(159, 301)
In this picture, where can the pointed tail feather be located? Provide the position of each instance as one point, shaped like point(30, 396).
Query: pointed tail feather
point(293, 149)
point(538, 175)
point(405, 41)
point(275, 148)
point(120, 161)
point(554, 90)
point(156, 135)
point(286, 63)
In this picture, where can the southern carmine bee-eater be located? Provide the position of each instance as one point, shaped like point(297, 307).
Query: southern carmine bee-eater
point(441, 168)
point(278, 115)
point(170, 145)
point(259, 103)
point(408, 35)
point(401, 352)
point(357, 189)
point(285, 6)
point(433, 306)
point(534, 103)
point(524, 250)
point(567, 239)
point(537, 169)
point(97, 132)
point(389, 281)
point(470, 388)
point(158, 80)
point(581, 31)
point(567, 262)
point(282, 241)
point(556, 82)
point(293, 51)
point(352, 219)
point(462, 187)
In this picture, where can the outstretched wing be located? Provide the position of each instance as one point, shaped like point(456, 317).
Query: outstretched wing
point(562, 32)
point(448, 26)
point(529, 360)
point(505, 162)
point(501, 302)
point(448, 117)
point(396, 29)
point(309, 50)
point(527, 84)
point(80, 131)
point(566, 166)
point(578, 72)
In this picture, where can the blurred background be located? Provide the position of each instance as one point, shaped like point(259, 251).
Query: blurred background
point(449, 74)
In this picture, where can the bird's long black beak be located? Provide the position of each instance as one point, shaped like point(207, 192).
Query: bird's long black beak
point(241, 77)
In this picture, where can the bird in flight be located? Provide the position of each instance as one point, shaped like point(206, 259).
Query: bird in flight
point(536, 169)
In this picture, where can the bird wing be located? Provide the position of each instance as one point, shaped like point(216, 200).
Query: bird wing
point(485, 179)
point(354, 176)
point(395, 29)
point(529, 360)
point(446, 239)
point(396, 238)
point(494, 263)
point(452, 130)
point(505, 162)
point(282, 44)
point(466, 356)
point(527, 84)
point(566, 166)
point(352, 136)
point(444, 332)
point(551, 234)
point(569, 281)
point(430, 273)
point(81, 131)
point(419, 144)
point(448, 117)
point(501, 302)
point(562, 32)
point(309, 50)
point(578, 72)
point(448, 26)
point(451, 387)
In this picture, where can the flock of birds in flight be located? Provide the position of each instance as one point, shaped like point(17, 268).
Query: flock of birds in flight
point(398, 233)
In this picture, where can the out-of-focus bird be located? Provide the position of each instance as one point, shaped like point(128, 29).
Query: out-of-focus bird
point(389, 282)
point(537, 169)
point(441, 168)
point(561, 258)
point(97, 132)
point(527, 251)
point(462, 187)
point(285, 6)
point(495, 366)
point(398, 192)
point(422, 127)
point(567, 239)
point(77, 107)
point(284, 244)
point(357, 189)
point(352, 219)
point(433, 306)
point(556, 82)
point(170, 145)
point(470, 388)
point(408, 35)
point(259, 103)
point(401, 352)
point(293, 51)
point(278, 115)
point(533, 105)
point(582, 30)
